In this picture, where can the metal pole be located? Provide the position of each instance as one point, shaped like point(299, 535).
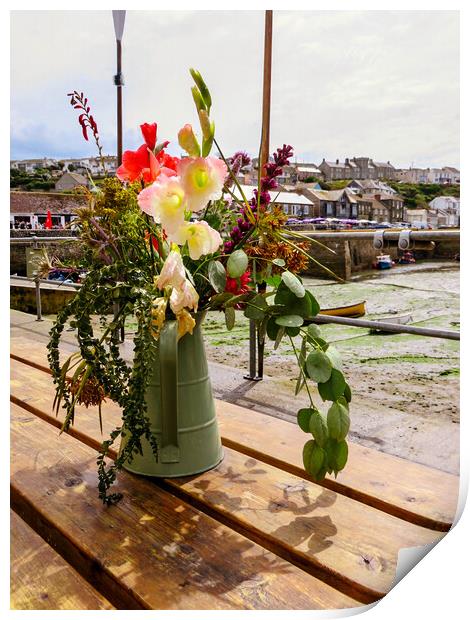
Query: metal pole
point(395, 328)
point(119, 101)
point(119, 18)
point(268, 42)
point(38, 300)
point(389, 235)
point(257, 347)
point(252, 364)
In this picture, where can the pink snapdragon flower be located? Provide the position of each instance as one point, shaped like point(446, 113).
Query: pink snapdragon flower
point(200, 237)
point(185, 296)
point(188, 141)
point(165, 201)
point(172, 273)
point(202, 179)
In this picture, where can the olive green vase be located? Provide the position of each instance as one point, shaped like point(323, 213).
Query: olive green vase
point(181, 409)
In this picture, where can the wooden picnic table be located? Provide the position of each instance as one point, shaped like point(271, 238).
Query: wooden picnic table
point(254, 533)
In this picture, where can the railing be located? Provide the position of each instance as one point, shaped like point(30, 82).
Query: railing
point(404, 237)
point(35, 240)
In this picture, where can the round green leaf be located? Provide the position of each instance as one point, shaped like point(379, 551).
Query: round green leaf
point(290, 320)
point(280, 262)
point(340, 455)
point(314, 331)
point(335, 358)
point(217, 276)
point(272, 328)
point(334, 387)
point(303, 419)
point(255, 308)
point(318, 366)
point(293, 331)
point(318, 427)
point(293, 284)
point(313, 457)
point(229, 317)
point(338, 421)
point(315, 306)
point(237, 264)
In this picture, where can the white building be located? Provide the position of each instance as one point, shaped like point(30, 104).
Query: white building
point(30, 165)
point(292, 204)
point(448, 210)
point(439, 176)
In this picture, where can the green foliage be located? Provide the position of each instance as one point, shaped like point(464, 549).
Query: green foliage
point(237, 264)
point(217, 276)
point(332, 185)
point(40, 180)
point(419, 195)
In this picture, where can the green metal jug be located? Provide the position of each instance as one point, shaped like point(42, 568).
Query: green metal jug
point(181, 409)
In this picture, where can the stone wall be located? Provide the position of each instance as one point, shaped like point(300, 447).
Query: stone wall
point(23, 298)
point(61, 249)
point(355, 255)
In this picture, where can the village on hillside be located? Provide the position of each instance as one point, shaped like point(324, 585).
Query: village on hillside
point(356, 192)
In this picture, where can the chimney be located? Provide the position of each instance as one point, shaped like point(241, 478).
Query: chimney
point(337, 161)
point(346, 160)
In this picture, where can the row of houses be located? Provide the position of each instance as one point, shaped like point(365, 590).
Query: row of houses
point(440, 176)
point(374, 202)
point(362, 168)
point(310, 201)
point(82, 165)
point(355, 168)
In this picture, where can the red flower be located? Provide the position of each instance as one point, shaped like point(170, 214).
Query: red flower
point(167, 161)
point(144, 163)
point(238, 286)
point(154, 241)
point(149, 131)
point(133, 164)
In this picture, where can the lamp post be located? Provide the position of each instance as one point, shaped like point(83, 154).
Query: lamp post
point(118, 19)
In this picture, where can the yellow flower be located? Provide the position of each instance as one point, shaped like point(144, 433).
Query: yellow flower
point(159, 305)
point(186, 323)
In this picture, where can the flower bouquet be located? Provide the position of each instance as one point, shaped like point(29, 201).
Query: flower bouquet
point(165, 242)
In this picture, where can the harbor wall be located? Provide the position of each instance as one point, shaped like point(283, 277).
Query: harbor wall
point(350, 256)
point(61, 249)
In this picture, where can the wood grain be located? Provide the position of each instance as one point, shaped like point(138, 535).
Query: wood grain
point(153, 550)
point(352, 546)
point(408, 490)
point(41, 579)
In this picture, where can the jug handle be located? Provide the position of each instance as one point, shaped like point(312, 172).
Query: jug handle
point(169, 450)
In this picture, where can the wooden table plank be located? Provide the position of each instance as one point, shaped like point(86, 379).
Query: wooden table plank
point(352, 546)
point(41, 579)
point(411, 491)
point(153, 550)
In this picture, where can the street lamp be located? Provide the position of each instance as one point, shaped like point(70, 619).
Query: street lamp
point(118, 19)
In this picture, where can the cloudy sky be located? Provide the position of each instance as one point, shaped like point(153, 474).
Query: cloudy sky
point(384, 84)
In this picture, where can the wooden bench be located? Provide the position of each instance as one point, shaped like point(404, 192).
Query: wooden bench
point(255, 533)
point(42, 579)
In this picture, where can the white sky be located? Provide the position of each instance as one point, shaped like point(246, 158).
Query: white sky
point(379, 83)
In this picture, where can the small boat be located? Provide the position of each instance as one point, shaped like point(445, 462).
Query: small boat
point(352, 311)
point(383, 262)
point(407, 258)
point(403, 319)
